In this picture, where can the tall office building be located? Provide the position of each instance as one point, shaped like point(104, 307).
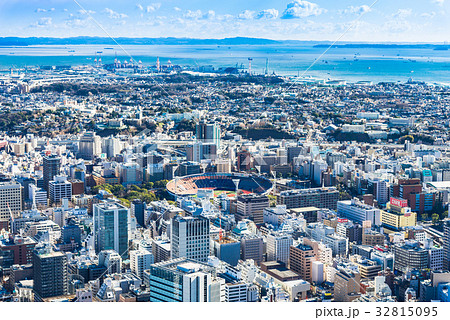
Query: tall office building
point(353, 232)
point(130, 173)
point(110, 146)
point(49, 273)
point(51, 167)
point(301, 258)
point(137, 210)
point(245, 161)
point(278, 247)
point(380, 190)
point(208, 133)
point(10, 199)
point(293, 152)
point(89, 146)
point(110, 227)
point(251, 206)
point(252, 247)
point(185, 280)
point(201, 150)
point(223, 165)
point(140, 260)
point(190, 238)
point(59, 189)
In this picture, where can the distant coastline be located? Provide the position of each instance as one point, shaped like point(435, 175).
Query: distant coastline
point(387, 46)
point(84, 40)
point(15, 41)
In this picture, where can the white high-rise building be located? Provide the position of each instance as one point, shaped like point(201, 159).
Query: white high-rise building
point(278, 247)
point(436, 258)
point(10, 199)
point(325, 254)
point(185, 280)
point(317, 272)
point(140, 260)
point(59, 189)
point(111, 146)
point(190, 238)
point(90, 145)
point(380, 190)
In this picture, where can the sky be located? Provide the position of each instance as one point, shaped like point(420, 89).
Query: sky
point(346, 20)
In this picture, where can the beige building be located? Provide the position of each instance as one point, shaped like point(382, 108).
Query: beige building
point(251, 206)
point(346, 286)
point(223, 165)
point(372, 238)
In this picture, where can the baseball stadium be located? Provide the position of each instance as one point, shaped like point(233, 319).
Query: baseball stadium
point(219, 182)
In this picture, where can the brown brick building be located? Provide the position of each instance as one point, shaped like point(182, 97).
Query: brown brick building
point(301, 258)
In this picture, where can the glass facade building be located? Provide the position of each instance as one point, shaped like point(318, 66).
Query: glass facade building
point(111, 227)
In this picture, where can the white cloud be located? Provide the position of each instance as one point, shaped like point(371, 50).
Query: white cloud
point(246, 15)
point(225, 17)
point(402, 13)
point(139, 7)
point(73, 22)
point(86, 12)
point(42, 22)
point(438, 2)
point(198, 14)
point(301, 9)
point(428, 15)
point(397, 26)
point(45, 21)
point(44, 10)
point(176, 9)
point(267, 14)
point(357, 10)
point(209, 15)
point(153, 7)
point(115, 15)
point(193, 14)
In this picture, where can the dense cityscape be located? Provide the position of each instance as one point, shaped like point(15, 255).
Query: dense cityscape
point(130, 183)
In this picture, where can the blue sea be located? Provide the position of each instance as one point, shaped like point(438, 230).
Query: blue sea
point(350, 64)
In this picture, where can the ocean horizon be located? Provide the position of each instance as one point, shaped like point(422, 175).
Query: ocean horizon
point(352, 63)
